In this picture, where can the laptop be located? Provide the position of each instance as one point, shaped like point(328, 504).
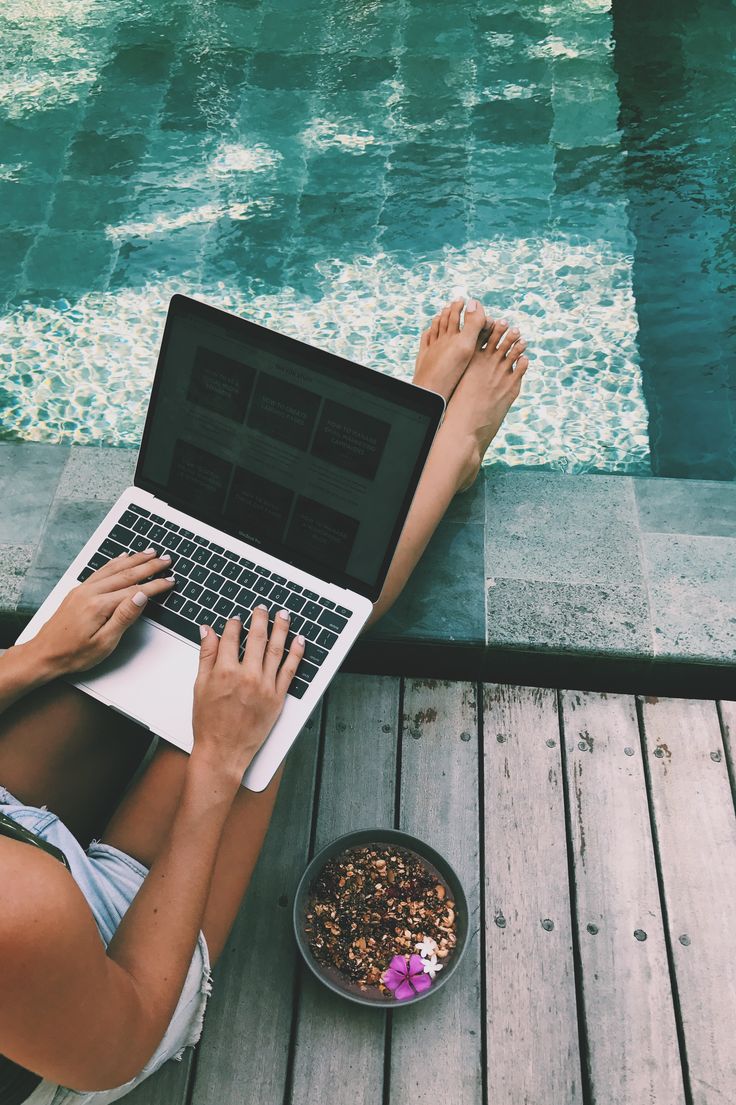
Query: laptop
point(272, 472)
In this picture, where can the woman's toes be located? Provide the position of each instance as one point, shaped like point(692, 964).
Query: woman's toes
point(444, 320)
point(453, 324)
point(516, 350)
point(495, 336)
point(507, 341)
point(521, 366)
point(475, 322)
point(434, 329)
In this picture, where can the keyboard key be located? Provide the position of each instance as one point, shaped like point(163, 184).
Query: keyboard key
point(246, 598)
point(245, 563)
point(231, 569)
point(314, 653)
point(297, 588)
point(156, 534)
point(186, 532)
point(306, 671)
point(247, 578)
point(98, 561)
point(218, 625)
point(295, 602)
point(262, 586)
point(111, 548)
point(310, 594)
point(296, 621)
point(171, 525)
point(192, 590)
point(214, 581)
point(121, 533)
point(128, 518)
point(199, 573)
point(216, 563)
point(201, 541)
point(312, 610)
point(139, 543)
point(343, 610)
point(224, 607)
point(162, 615)
point(200, 554)
point(297, 688)
point(183, 566)
point(174, 601)
point(186, 548)
point(143, 525)
point(208, 598)
point(216, 548)
point(311, 631)
point(326, 638)
point(84, 574)
point(278, 579)
point(230, 589)
point(231, 555)
point(171, 540)
point(279, 594)
point(156, 518)
point(206, 617)
point(138, 510)
point(190, 610)
point(327, 603)
point(330, 619)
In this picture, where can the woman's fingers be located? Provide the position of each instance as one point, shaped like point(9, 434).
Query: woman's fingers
point(274, 652)
point(127, 571)
point(110, 600)
point(290, 664)
point(255, 644)
point(230, 642)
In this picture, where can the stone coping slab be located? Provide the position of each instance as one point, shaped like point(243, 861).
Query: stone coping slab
point(530, 570)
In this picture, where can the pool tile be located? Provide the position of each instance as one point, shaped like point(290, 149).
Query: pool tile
point(96, 154)
point(543, 527)
point(161, 256)
point(14, 245)
point(525, 121)
point(444, 597)
point(280, 70)
point(692, 587)
point(22, 204)
point(204, 89)
point(88, 205)
point(338, 222)
point(437, 223)
point(29, 476)
point(700, 507)
point(70, 262)
point(96, 474)
point(14, 562)
point(568, 617)
point(351, 73)
point(347, 170)
point(71, 522)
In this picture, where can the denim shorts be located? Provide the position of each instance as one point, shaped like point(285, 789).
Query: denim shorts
point(109, 880)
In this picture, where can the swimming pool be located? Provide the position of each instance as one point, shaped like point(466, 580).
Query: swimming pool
point(336, 171)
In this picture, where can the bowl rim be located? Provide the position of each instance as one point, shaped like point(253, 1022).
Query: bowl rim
point(355, 838)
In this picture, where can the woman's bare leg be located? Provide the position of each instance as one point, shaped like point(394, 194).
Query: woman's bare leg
point(473, 416)
point(61, 749)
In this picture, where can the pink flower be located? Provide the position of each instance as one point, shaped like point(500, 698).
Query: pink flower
point(406, 979)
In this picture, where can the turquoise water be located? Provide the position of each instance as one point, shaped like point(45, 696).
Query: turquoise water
point(337, 171)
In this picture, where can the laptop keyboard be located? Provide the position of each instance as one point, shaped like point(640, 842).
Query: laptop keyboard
point(213, 584)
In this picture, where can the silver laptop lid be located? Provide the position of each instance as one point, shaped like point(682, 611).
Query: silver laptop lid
point(302, 453)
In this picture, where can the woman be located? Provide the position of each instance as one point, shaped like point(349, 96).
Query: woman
point(106, 945)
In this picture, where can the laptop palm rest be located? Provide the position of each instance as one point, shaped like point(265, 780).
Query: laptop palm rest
point(150, 678)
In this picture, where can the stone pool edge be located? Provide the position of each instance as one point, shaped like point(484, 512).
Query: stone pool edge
point(608, 582)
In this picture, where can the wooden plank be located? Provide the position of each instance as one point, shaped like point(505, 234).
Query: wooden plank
point(696, 840)
point(339, 1048)
point(436, 1046)
point(168, 1086)
point(728, 717)
point(245, 1043)
point(631, 1034)
point(531, 1017)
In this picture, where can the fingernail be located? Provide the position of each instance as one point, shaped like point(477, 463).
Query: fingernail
point(164, 556)
point(261, 606)
point(235, 618)
point(471, 306)
point(203, 631)
point(284, 614)
point(299, 639)
point(140, 598)
point(149, 551)
point(171, 579)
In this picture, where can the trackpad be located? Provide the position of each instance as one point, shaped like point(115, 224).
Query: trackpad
point(150, 677)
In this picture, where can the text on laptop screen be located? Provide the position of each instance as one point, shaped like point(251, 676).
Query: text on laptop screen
point(292, 458)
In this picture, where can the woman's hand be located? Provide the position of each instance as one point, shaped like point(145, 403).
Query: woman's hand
point(237, 702)
point(94, 615)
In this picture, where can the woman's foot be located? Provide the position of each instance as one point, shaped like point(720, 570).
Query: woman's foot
point(481, 400)
point(445, 349)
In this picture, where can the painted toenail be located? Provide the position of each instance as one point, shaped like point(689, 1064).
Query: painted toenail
point(472, 304)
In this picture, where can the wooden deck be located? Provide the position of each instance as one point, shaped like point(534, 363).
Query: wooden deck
point(596, 839)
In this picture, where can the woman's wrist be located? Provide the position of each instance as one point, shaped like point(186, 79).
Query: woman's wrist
point(211, 771)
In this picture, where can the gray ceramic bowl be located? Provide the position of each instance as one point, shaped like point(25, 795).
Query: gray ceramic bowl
point(377, 837)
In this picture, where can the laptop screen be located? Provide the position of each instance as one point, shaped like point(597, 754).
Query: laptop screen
point(289, 448)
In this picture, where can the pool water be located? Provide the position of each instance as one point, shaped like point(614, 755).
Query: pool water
point(337, 171)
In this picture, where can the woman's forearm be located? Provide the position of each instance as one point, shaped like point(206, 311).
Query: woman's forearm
point(156, 938)
point(23, 668)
